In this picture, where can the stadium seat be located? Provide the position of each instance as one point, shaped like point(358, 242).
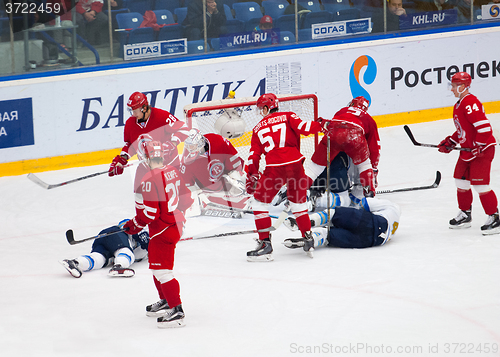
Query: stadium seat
point(316, 18)
point(235, 26)
point(228, 12)
point(169, 5)
point(305, 35)
point(126, 23)
point(130, 20)
point(140, 6)
point(181, 13)
point(164, 17)
point(286, 37)
point(245, 11)
point(170, 32)
point(312, 5)
point(346, 14)
point(197, 46)
point(286, 23)
point(274, 9)
point(141, 35)
point(335, 5)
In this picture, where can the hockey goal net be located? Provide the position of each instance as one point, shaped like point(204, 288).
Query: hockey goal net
point(205, 116)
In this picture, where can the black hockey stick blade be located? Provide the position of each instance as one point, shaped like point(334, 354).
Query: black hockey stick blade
point(71, 237)
point(47, 186)
point(434, 185)
point(416, 143)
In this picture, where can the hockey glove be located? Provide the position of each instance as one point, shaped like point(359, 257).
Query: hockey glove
point(324, 124)
point(251, 183)
point(447, 145)
point(132, 227)
point(117, 166)
point(477, 150)
point(142, 239)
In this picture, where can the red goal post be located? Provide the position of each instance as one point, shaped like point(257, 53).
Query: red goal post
point(204, 115)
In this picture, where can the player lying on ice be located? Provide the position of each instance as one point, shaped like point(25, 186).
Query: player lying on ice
point(370, 224)
point(119, 249)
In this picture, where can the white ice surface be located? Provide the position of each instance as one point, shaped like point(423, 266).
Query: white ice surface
point(428, 287)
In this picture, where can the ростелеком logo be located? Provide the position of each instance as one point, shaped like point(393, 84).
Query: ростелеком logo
point(355, 81)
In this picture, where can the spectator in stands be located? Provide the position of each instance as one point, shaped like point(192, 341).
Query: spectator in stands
point(92, 22)
point(463, 7)
point(216, 20)
point(394, 11)
point(434, 5)
point(266, 23)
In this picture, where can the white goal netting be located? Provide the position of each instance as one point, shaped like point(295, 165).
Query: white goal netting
point(242, 115)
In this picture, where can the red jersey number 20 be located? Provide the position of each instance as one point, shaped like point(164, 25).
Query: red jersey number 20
point(267, 138)
point(172, 191)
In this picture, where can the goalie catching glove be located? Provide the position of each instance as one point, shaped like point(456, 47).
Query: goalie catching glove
point(118, 165)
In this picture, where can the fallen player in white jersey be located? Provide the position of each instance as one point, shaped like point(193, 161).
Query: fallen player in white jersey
point(370, 224)
point(119, 249)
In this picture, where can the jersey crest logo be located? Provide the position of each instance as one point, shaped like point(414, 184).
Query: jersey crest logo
point(215, 170)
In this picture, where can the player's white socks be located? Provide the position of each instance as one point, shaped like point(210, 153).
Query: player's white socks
point(125, 257)
point(320, 236)
point(91, 261)
point(320, 218)
point(336, 200)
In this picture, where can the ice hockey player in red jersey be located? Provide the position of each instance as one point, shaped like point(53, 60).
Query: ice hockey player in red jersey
point(211, 165)
point(166, 198)
point(277, 138)
point(348, 134)
point(473, 167)
point(146, 124)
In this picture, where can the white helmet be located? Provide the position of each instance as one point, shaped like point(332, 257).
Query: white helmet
point(230, 126)
point(193, 146)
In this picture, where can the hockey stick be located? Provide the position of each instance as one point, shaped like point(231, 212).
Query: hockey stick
point(233, 209)
point(434, 185)
point(71, 237)
point(47, 186)
point(283, 215)
point(416, 143)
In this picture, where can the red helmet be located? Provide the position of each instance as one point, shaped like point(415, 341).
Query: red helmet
point(360, 102)
point(268, 100)
point(137, 100)
point(153, 150)
point(462, 78)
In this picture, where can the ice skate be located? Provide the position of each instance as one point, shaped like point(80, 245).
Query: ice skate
point(306, 243)
point(492, 225)
point(72, 267)
point(118, 270)
point(291, 224)
point(262, 253)
point(157, 309)
point(173, 318)
point(462, 220)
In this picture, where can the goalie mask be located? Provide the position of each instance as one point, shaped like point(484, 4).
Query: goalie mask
point(194, 145)
point(359, 102)
point(230, 126)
